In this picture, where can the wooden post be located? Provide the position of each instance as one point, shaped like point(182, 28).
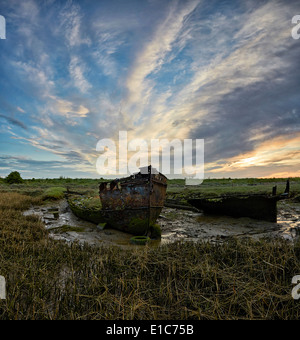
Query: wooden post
point(287, 188)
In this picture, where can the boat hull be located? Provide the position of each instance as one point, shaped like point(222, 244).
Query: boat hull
point(133, 221)
point(256, 207)
point(90, 214)
point(133, 204)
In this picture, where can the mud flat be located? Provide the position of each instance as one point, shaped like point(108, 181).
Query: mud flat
point(64, 225)
point(176, 224)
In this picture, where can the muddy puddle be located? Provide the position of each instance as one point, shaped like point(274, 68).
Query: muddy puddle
point(176, 225)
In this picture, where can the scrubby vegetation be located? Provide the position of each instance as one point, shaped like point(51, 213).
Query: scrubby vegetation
point(176, 187)
point(49, 279)
point(55, 193)
point(14, 178)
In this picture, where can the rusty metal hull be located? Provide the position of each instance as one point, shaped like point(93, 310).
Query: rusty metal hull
point(134, 221)
point(134, 203)
point(257, 206)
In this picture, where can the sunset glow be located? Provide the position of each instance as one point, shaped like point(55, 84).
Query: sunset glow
point(75, 72)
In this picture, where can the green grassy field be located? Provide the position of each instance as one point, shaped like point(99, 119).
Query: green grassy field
point(210, 187)
point(215, 187)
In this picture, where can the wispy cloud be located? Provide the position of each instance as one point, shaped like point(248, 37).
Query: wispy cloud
point(150, 59)
point(20, 109)
point(14, 121)
point(77, 69)
point(68, 109)
point(71, 24)
point(75, 72)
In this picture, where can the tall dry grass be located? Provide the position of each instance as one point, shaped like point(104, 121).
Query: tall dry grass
point(47, 279)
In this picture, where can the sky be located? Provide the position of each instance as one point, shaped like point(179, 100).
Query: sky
point(75, 72)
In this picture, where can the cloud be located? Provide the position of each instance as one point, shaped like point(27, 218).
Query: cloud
point(14, 121)
point(20, 109)
point(226, 72)
point(29, 167)
point(252, 89)
point(71, 23)
point(77, 69)
point(67, 108)
point(70, 151)
point(35, 76)
point(278, 151)
point(244, 95)
point(150, 59)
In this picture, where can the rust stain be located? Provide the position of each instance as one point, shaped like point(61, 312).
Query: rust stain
point(138, 197)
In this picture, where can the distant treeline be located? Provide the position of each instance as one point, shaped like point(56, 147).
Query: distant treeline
point(89, 181)
point(237, 181)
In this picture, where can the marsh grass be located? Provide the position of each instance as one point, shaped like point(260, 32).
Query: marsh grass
point(47, 279)
point(54, 193)
point(212, 188)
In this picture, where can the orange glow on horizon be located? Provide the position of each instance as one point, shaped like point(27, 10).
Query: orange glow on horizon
point(282, 152)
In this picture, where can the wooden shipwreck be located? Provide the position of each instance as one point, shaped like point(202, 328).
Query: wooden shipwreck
point(130, 204)
point(134, 203)
point(260, 207)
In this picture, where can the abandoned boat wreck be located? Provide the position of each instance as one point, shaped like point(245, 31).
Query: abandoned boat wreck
point(260, 207)
point(134, 203)
point(130, 204)
point(86, 208)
